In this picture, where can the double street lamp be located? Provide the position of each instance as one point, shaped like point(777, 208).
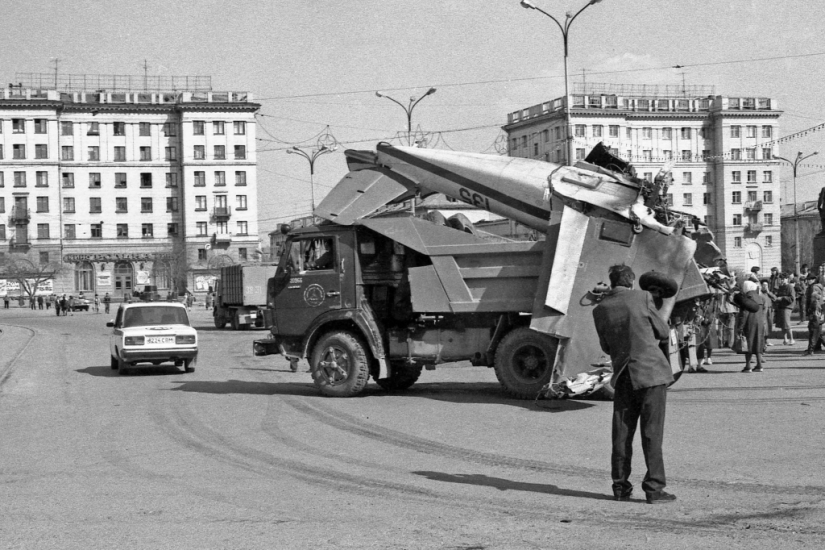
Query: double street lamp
point(795, 164)
point(565, 31)
point(325, 144)
point(408, 109)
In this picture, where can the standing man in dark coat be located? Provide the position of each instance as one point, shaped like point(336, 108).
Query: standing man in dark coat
point(630, 328)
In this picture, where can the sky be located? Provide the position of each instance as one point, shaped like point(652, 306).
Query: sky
point(314, 64)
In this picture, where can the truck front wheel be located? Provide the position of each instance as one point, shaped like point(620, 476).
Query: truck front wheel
point(524, 362)
point(403, 376)
point(220, 320)
point(340, 367)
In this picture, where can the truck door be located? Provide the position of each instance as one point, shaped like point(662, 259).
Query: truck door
point(314, 270)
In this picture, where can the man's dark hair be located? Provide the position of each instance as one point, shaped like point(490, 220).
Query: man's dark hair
point(621, 275)
point(755, 269)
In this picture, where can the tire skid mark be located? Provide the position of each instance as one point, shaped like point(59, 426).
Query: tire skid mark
point(356, 426)
point(8, 368)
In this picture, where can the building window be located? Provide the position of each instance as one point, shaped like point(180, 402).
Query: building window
point(705, 199)
point(200, 202)
point(751, 131)
point(120, 154)
point(736, 154)
point(598, 130)
point(685, 133)
point(171, 204)
point(647, 133)
point(768, 241)
point(240, 202)
point(737, 242)
point(546, 135)
point(579, 130)
point(767, 131)
point(146, 230)
point(1, 145)
point(579, 154)
point(751, 176)
point(200, 179)
point(68, 231)
point(44, 256)
point(42, 179)
point(240, 177)
point(94, 205)
point(145, 180)
point(243, 228)
point(220, 178)
point(706, 178)
point(686, 155)
point(767, 177)
point(735, 131)
point(2, 204)
point(524, 141)
point(41, 151)
point(146, 204)
point(240, 127)
point(68, 205)
point(687, 178)
point(201, 228)
point(20, 179)
point(669, 199)
point(736, 176)
point(217, 127)
point(201, 254)
point(220, 152)
point(123, 231)
point(613, 131)
point(68, 180)
point(197, 127)
point(648, 176)
point(42, 231)
point(736, 197)
point(200, 152)
point(120, 180)
point(94, 152)
point(667, 133)
point(767, 153)
point(3, 233)
point(145, 153)
point(121, 205)
point(67, 152)
point(768, 218)
point(170, 129)
point(94, 129)
point(171, 179)
point(144, 129)
point(242, 254)
point(737, 219)
point(535, 150)
point(119, 128)
point(171, 228)
point(42, 204)
point(97, 230)
point(66, 128)
point(767, 196)
point(222, 228)
point(750, 153)
point(94, 180)
point(18, 151)
point(751, 196)
point(687, 199)
point(667, 154)
point(171, 153)
point(647, 155)
point(705, 154)
point(18, 126)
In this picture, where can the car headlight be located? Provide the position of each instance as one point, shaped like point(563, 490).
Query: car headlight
point(134, 340)
point(185, 339)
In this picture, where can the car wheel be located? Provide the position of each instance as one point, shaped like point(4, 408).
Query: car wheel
point(339, 364)
point(524, 363)
point(122, 366)
point(189, 364)
point(114, 362)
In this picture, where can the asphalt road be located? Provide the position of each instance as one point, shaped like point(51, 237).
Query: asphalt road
point(244, 453)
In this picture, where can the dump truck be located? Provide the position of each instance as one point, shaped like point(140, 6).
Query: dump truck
point(240, 295)
point(375, 291)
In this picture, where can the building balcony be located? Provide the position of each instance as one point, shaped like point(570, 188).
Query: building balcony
point(20, 241)
point(20, 215)
point(754, 227)
point(755, 206)
point(222, 238)
point(221, 213)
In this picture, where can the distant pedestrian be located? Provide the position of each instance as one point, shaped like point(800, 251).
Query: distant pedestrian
point(189, 299)
point(6, 301)
point(64, 305)
point(107, 301)
point(49, 301)
point(40, 302)
point(752, 325)
point(785, 298)
point(208, 301)
point(813, 306)
point(72, 303)
point(32, 302)
point(97, 303)
point(58, 307)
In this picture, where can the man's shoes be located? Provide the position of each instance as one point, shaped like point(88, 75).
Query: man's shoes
point(758, 369)
point(747, 370)
point(660, 498)
point(808, 352)
point(624, 496)
point(708, 361)
point(691, 369)
point(701, 369)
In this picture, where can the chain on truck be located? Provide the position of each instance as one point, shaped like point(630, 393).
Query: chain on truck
point(375, 291)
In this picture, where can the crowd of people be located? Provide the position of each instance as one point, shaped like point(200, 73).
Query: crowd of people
point(65, 304)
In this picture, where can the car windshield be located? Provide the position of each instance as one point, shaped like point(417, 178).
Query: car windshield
point(150, 316)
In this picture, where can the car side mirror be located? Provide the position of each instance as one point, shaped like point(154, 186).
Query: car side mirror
point(110, 324)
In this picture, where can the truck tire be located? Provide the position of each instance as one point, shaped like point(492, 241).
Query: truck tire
point(220, 320)
point(339, 364)
point(403, 376)
point(233, 321)
point(524, 362)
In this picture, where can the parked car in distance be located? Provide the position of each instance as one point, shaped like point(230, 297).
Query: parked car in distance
point(81, 304)
point(152, 333)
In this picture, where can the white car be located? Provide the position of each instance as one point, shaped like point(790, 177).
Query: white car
point(154, 333)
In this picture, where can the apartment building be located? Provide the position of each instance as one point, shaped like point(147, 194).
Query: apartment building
point(723, 150)
point(116, 190)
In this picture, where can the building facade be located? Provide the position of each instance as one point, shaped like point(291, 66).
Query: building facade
point(723, 149)
point(115, 190)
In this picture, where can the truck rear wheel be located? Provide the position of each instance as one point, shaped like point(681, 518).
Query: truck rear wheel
point(339, 364)
point(524, 362)
point(220, 320)
point(403, 376)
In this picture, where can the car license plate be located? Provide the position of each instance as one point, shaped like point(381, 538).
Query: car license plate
point(160, 340)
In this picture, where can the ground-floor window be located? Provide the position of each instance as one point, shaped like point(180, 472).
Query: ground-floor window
point(163, 275)
point(84, 274)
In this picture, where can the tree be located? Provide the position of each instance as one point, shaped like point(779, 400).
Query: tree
point(19, 268)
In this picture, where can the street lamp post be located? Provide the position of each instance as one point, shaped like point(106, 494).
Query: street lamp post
point(408, 109)
point(326, 144)
point(565, 30)
point(795, 164)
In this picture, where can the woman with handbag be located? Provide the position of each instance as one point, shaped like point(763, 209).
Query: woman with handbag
point(752, 328)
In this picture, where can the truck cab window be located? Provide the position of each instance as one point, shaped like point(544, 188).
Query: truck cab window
point(317, 254)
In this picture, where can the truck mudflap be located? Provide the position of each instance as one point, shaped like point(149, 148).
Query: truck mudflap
point(364, 319)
